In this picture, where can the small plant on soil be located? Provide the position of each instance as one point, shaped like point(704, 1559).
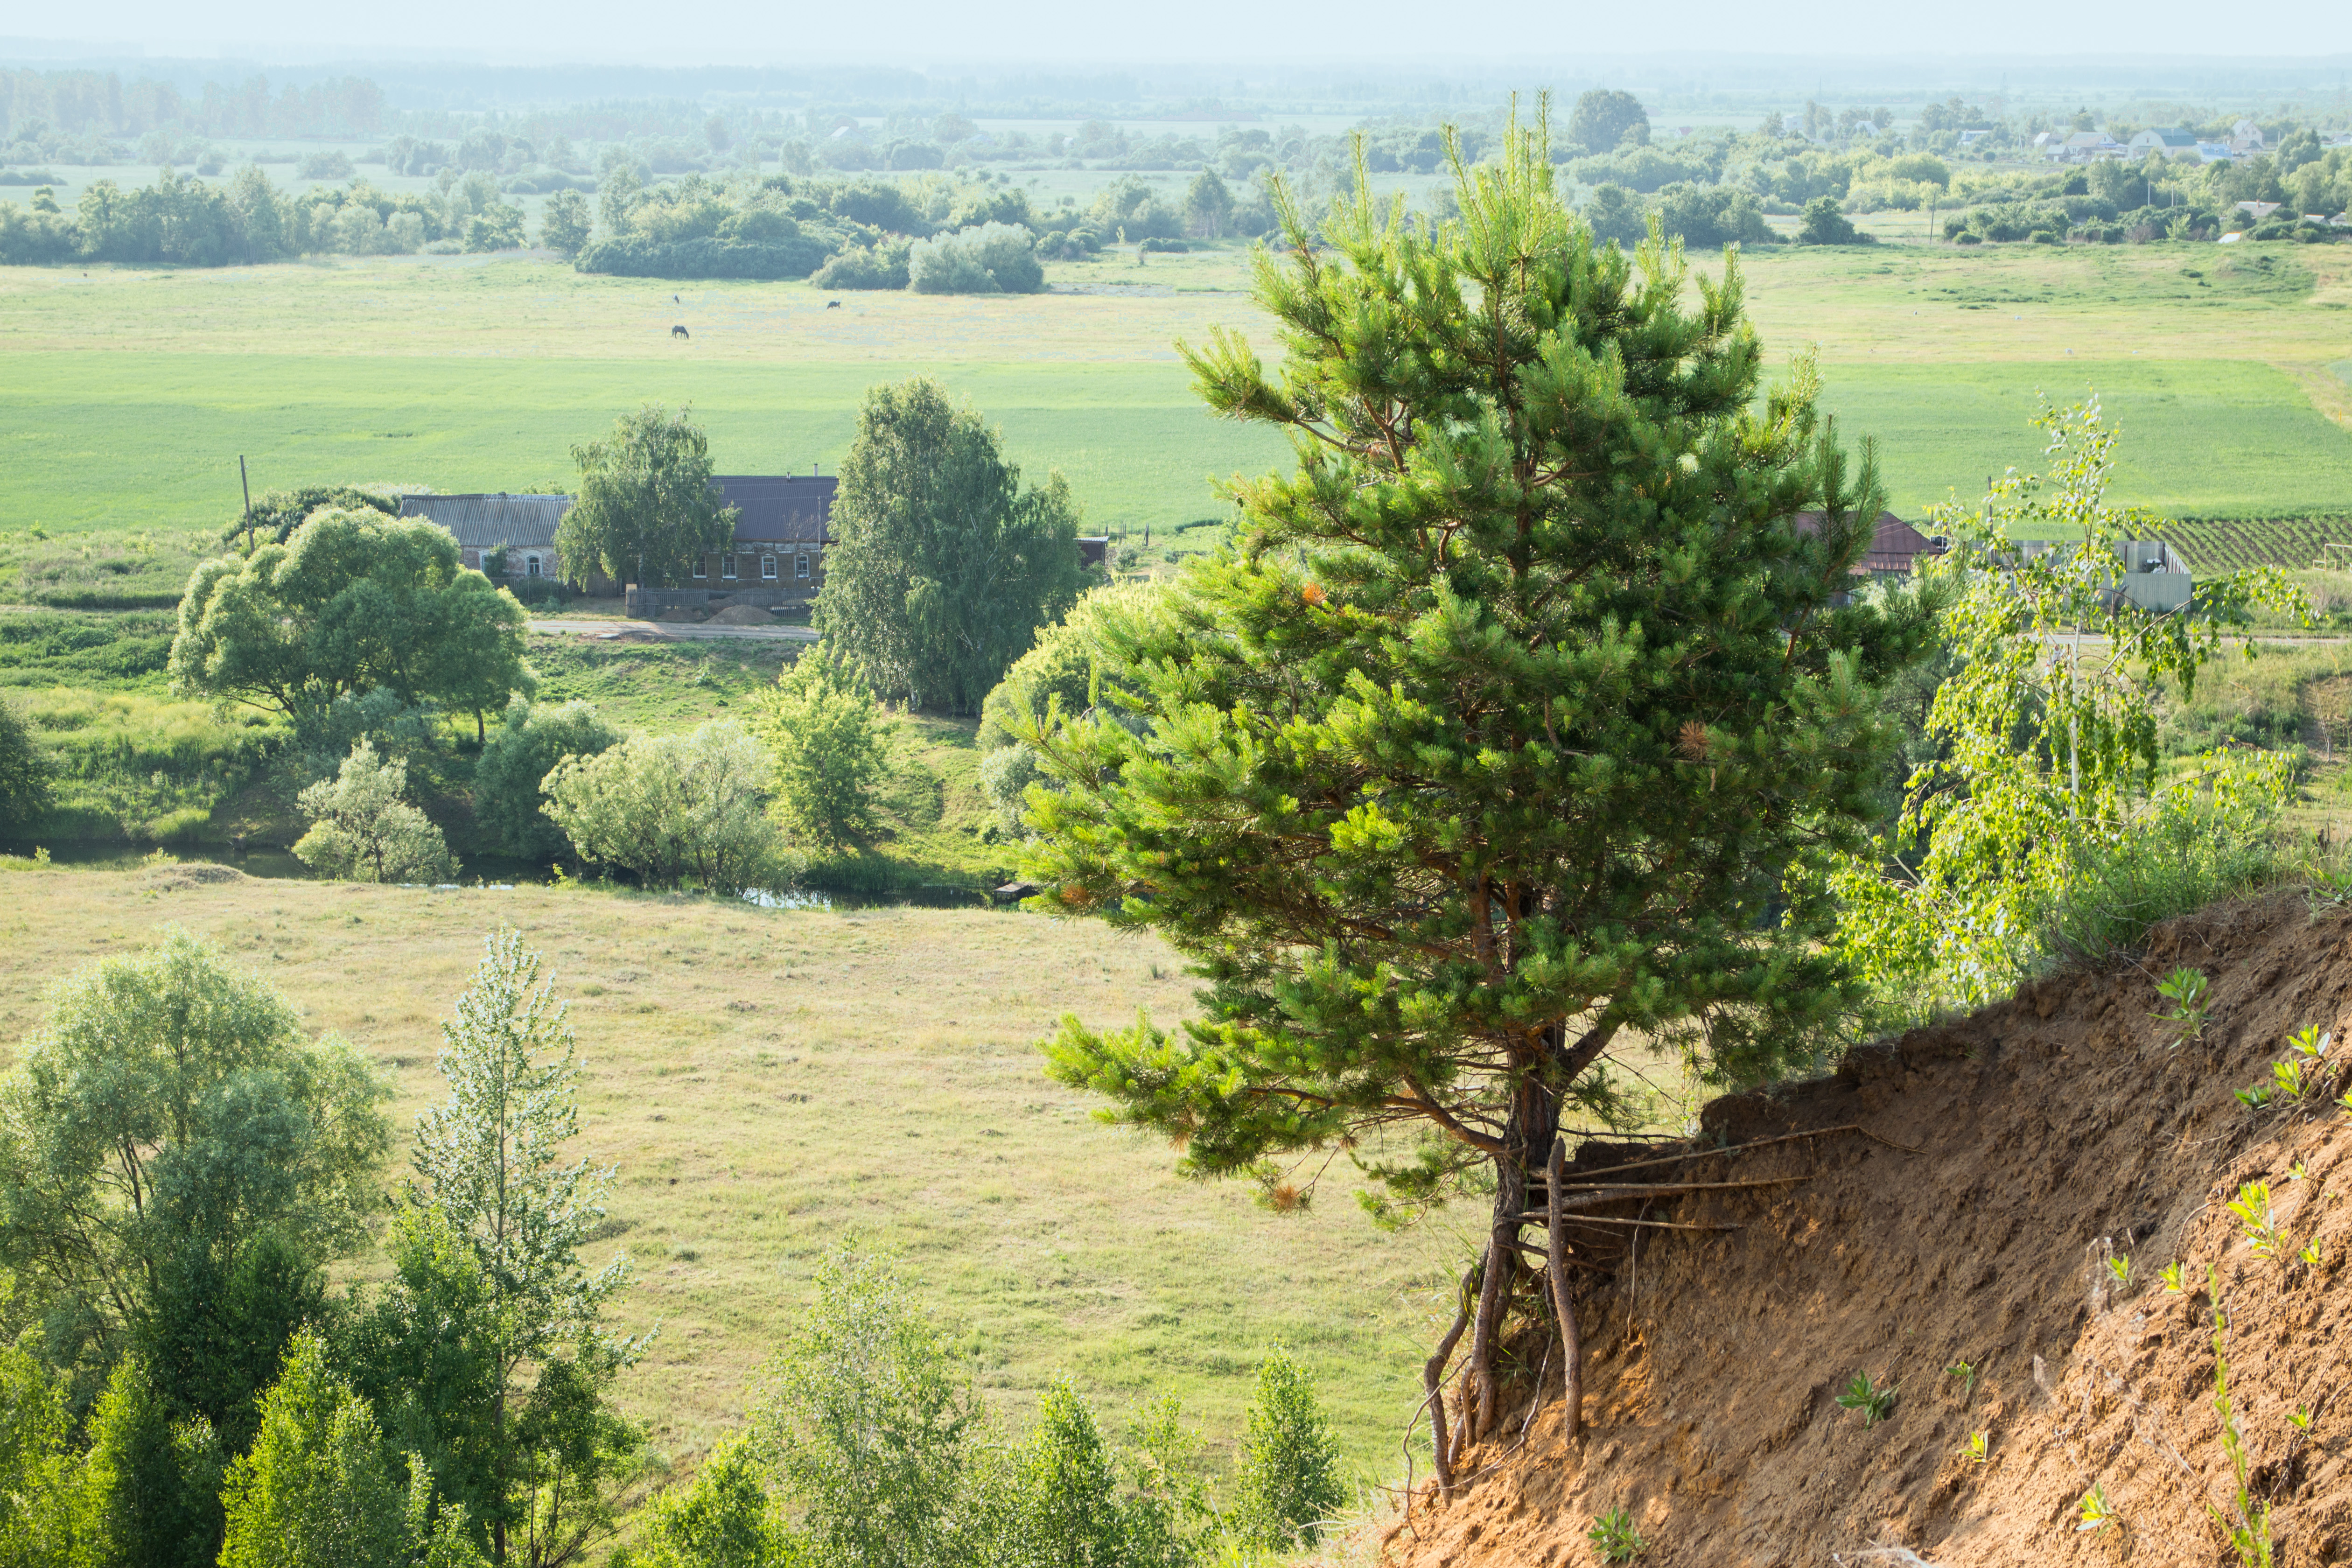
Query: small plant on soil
point(2250, 1534)
point(2185, 989)
point(1966, 1372)
point(2119, 1267)
point(2094, 1511)
point(1874, 1402)
point(2310, 1254)
point(2176, 1278)
point(2256, 1223)
point(1613, 1536)
point(2293, 1077)
point(1976, 1450)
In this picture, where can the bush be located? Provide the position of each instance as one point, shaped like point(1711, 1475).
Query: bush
point(863, 268)
point(988, 258)
point(828, 749)
point(722, 1521)
point(1824, 224)
point(1288, 1485)
point(23, 773)
point(362, 830)
point(509, 804)
point(631, 256)
point(330, 166)
point(674, 809)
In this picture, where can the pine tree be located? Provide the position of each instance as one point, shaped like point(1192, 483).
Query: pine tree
point(1489, 744)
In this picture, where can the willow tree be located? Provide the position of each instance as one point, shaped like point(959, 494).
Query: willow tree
point(1485, 748)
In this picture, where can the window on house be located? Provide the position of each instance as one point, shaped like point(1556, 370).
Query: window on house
point(800, 566)
point(701, 568)
point(727, 568)
point(767, 568)
point(530, 566)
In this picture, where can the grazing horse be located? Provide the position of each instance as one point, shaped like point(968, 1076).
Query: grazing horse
point(676, 300)
point(680, 332)
point(833, 304)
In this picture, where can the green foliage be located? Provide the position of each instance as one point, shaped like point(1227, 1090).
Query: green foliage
point(155, 1484)
point(488, 1175)
point(1873, 1402)
point(672, 809)
point(352, 601)
point(823, 730)
point(869, 1420)
point(986, 259)
point(646, 512)
point(514, 763)
point(1605, 117)
point(225, 1307)
point(313, 1492)
point(1208, 206)
point(47, 1521)
point(1825, 225)
point(363, 829)
point(278, 513)
point(2051, 757)
point(1432, 817)
point(634, 255)
point(171, 1102)
point(723, 1520)
point(1613, 1537)
point(565, 222)
point(866, 266)
point(1288, 1486)
point(943, 567)
point(1057, 1503)
point(25, 791)
point(2185, 988)
point(1063, 671)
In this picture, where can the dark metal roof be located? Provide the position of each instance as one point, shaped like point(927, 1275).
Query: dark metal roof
point(780, 508)
point(1895, 544)
point(486, 521)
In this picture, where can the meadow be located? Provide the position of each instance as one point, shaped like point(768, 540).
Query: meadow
point(126, 396)
point(771, 1084)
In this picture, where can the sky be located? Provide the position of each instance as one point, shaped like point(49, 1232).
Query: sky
point(950, 36)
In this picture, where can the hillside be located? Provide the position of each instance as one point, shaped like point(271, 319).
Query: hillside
point(2038, 1136)
point(772, 1083)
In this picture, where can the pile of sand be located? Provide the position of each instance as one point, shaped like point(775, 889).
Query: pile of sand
point(2052, 1131)
point(742, 616)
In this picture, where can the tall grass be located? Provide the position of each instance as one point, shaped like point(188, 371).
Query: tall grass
point(147, 768)
point(2178, 864)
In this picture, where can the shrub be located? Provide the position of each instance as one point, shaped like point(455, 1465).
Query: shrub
point(508, 799)
point(987, 258)
point(1824, 224)
point(330, 165)
point(673, 808)
point(24, 771)
point(722, 1521)
point(828, 749)
point(633, 255)
point(863, 266)
point(363, 830)
point(1288, 1484)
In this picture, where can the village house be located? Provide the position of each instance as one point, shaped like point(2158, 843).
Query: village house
point(2085, 146)
point(784, 521)
point(2164, 143)
point(1896, 548)
point(510, 537)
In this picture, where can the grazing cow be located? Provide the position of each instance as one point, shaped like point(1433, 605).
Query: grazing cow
point(833, 304)
point(680, 332)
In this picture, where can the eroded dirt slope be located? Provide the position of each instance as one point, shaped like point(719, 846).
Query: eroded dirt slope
point(2050, 1129)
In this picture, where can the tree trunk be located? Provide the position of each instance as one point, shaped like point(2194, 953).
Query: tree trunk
point(1533, 1127)
point(1432, 1377)
point(1556, 1261)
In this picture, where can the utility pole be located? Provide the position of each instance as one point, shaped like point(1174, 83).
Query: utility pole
point(246, 485)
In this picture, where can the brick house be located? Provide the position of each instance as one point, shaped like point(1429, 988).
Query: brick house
point(781, 527)
point(522, 526)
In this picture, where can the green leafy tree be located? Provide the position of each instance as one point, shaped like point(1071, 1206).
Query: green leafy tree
point(155, 1483)
point(498, 226)
point(224, 1309)
point(565, 224)
point(24, 771)
point(2047, 725)
point(870, 1423)
point(1825, 225)
point(1062, 677)
point(828, 743)
point(489, 1165)
point(278, 513)
point(509, 800)
point(363, 829)
point(314, 1492)
point(984, 259)
point(1208, 206)
point(943, 567)
point(723, 1520)
point(1288, 1485)
point(1488, 746)
point(352, 601)
point(46, 1520)
point(646, 511)
point(1057, 1496)
point(674, 809)
point(171, 1100)
point(1604, 117)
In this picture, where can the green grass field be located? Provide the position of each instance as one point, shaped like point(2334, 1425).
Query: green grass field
point(126, 396)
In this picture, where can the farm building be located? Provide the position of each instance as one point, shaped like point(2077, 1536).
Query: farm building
point(1896, 547)
point(515, 531)
point(781, 526)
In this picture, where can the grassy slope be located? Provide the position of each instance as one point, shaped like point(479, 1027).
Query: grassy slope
point(772, 1083)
